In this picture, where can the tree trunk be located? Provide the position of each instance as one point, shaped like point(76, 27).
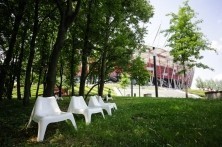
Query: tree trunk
point(61, 79)
point(41, 68)
point(44, 79)
point(38, 84)
point(32, 78)
point(83, 74)
point(102, 73)
point(19, 65)
point(86, 51)
point(11, 80)
point(185, 81)
point(67, 18)
point(72, 68)
point(31, 56)
point(51, 74)
point(9, 53)
point(104, 57)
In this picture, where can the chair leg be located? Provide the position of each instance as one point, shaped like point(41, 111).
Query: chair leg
point(87, 118)
point(41, 130)
point(30, 119)
point(114, 105)
point(73, 122)
point(103, 114)
point(108, 111)
point(29, 123)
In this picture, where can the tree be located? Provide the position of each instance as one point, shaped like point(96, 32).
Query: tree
point(122, 32)
point(186, 40)
point(110, 36)
point(124, 81)
point(68, 12)
point(200, 83)
point(138, 72)
point(218, 84)
point(18, 14)
point(31, 54)
point(210, 84)
point(86, 49)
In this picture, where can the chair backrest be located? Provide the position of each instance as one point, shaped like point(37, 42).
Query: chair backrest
point(100, 100)
point(94, 102)
point(78, 102)
point(46, 106)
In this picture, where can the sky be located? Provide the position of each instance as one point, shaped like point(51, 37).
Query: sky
point(207, 10)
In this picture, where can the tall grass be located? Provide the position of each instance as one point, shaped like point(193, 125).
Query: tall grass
point(137, 122)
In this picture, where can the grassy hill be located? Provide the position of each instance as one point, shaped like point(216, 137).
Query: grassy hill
point(137, 122)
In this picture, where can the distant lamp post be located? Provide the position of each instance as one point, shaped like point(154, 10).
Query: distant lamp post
point(133, 81)
point(155, 75)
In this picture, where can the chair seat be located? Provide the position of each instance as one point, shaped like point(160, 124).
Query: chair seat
point(60, 116)
point(94, 110)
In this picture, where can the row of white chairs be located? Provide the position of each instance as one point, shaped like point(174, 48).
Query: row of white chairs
point(46, 111)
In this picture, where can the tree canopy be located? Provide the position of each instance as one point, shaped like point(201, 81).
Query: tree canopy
point(186, 39)
point(52, 43)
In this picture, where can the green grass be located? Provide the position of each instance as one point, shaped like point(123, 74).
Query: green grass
point(137, 122)
point(200, 93)
point(76, 89)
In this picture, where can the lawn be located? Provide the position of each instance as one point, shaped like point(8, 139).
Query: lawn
point(137, 122)
point(76, 89)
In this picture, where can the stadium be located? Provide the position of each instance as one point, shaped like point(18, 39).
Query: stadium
point(167, 72)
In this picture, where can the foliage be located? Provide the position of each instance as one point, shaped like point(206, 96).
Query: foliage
point(186, 40)
point(200, 83)
point(218, 84)
point(105, 29)
point(137, 122)
point(210, 84)
point(198, 92)
point(124, 81)
point(138, 71)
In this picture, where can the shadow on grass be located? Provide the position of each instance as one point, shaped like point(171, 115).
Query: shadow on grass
point(137, 122)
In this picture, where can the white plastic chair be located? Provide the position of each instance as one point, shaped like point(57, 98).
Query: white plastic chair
point(100, 100)
point(46, 111)
point(78, 105)
point(108, 98)
point(93, 102)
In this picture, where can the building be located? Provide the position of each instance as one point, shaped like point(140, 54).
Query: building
point(167, 71)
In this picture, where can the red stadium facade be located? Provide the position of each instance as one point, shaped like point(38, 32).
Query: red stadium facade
point(167, 71)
